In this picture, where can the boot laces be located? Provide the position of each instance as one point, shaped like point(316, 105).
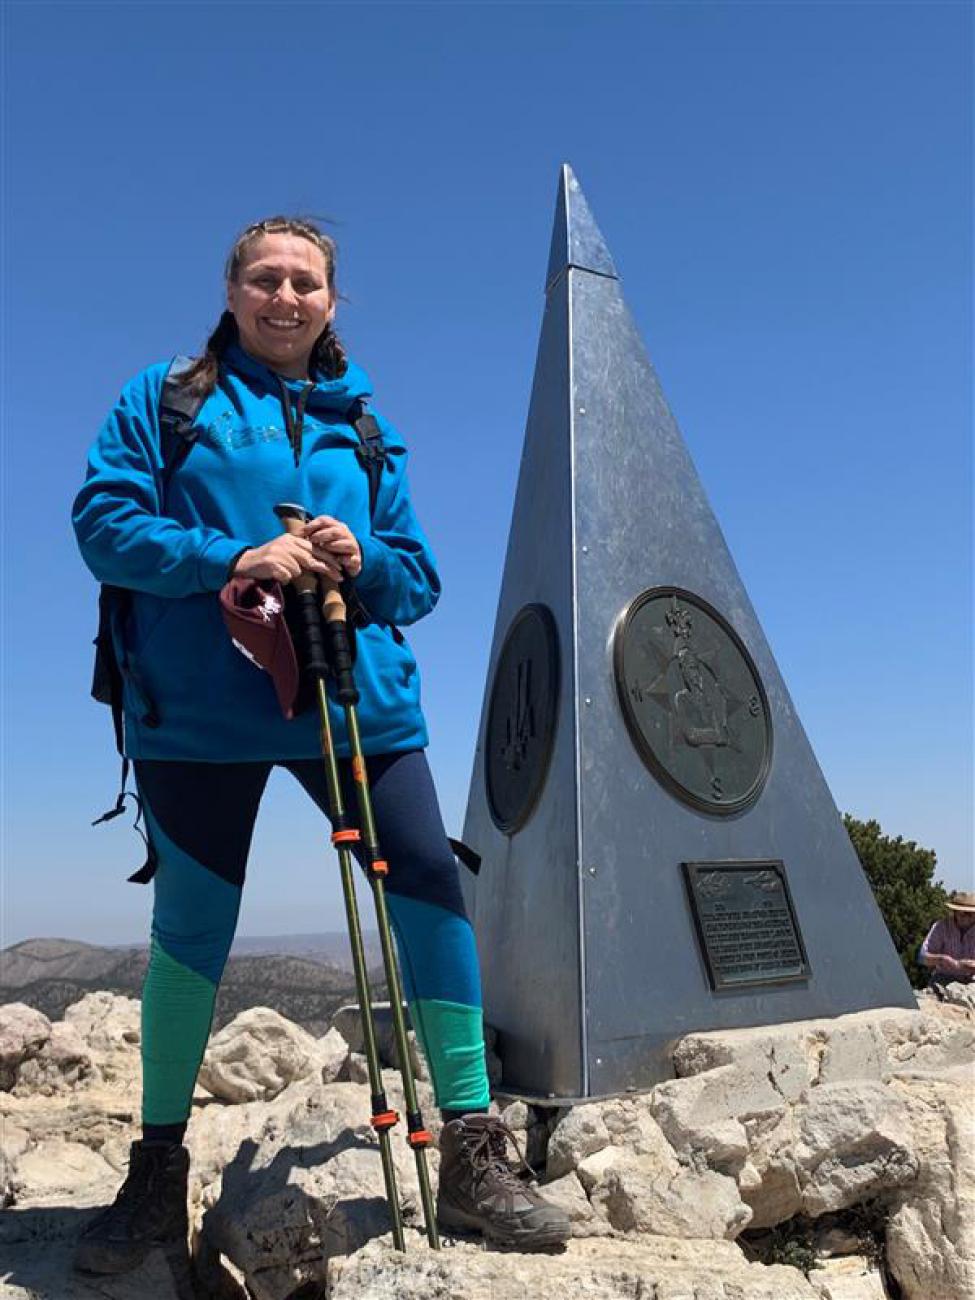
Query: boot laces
point(489, 1153)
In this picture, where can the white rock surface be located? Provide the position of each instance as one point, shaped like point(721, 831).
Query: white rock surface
point(109, 1026)
point(771, 1122)
point(259, 1053)
point(850, 1278)
point(651, 1269)
point(62, 1173)
point(62, 1063)
point(652, 1194)
point(931, 1237)
point(23, 1032)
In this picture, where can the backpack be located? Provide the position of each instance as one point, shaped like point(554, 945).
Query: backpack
point(178, 409)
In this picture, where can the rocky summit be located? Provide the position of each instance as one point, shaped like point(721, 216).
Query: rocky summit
point(821, 1160)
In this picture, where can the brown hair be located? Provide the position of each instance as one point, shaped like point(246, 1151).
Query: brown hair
point(327, 356)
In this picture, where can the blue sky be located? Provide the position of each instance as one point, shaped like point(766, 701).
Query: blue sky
point(786, 190)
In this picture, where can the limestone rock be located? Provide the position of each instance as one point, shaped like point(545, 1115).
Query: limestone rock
point(931, 1237)
point(637, 1193)
point(61, 1173)
point(260, 1052)
point(14, 1141)
point(567, 1193)
point(849, 1278)
point(650, 1269)
point(853, 1145)
point(579, 1133)
point(348, 1022)
point(109, 1026)
point(61, 1063)
point(287, 1184)
point(332, 1053)
point(23, 1032)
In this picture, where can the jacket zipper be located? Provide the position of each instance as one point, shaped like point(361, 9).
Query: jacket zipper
point(294, 422)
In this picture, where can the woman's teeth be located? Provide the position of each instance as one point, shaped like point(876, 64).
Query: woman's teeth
point(281, 324)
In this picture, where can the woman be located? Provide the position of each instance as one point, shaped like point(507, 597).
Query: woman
point(204, 729)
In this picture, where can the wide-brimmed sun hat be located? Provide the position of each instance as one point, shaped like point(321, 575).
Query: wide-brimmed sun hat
point(961, 901)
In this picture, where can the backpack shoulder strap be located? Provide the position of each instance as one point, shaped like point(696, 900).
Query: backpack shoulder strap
point(371, 450)
point(178, 408)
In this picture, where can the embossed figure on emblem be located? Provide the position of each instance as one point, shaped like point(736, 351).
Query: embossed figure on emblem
point(692, 700)
point(520, 729)
point(699, 707)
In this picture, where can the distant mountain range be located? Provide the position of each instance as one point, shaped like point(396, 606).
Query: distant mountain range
point(304, 977)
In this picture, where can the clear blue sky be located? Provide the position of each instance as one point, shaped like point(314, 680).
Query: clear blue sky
point(786, 190)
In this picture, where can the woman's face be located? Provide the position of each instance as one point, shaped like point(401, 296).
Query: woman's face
point(281, 301)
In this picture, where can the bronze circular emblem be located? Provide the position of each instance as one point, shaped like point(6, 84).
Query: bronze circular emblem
point(521, 717)
point(693, 701)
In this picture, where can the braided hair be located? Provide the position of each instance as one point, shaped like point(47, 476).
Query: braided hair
point(327, 356)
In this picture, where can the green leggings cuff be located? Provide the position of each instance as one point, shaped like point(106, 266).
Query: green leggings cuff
point(452, 1038)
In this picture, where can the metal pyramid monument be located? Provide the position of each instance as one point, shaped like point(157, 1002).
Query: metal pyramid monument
point(660, 851)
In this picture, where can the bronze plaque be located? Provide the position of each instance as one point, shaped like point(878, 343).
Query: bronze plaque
point(521, 717)
point(745, 923)
point(693, 701)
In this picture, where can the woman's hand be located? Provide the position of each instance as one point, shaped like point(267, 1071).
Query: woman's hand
point(283, 558)
point(334, 542)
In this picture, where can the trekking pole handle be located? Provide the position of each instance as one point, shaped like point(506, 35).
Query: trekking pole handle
point(294, 518)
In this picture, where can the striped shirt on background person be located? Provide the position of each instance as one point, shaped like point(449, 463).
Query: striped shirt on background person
point(946, 939)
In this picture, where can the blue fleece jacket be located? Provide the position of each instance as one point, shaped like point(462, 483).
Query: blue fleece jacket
point(212, 703)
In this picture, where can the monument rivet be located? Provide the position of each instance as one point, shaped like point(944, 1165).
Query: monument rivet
point(589, 699)
point(585, 550)
point(582, 410)
point(592, 871)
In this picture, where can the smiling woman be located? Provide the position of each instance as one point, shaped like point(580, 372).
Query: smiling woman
point(282, 298)
point(204, 729)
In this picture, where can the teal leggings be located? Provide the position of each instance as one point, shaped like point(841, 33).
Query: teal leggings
point(200, 818)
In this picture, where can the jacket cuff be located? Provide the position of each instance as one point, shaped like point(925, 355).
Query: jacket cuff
point(373, 578)
point(217, 559)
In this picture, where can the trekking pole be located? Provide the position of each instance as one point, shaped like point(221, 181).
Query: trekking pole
point(343, 836)
point(339, 659)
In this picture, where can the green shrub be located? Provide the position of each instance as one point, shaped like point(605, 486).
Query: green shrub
point(902, 879)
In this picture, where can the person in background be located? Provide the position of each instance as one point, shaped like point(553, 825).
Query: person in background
point(949, 949)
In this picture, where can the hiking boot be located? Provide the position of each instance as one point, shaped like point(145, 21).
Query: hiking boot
point(149, 1212)
point(480, 1189)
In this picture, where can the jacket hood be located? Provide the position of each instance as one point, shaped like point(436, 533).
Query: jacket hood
point(328, 394)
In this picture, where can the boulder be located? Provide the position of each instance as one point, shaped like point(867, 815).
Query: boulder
point(285, 1185)
point(853, 1145)
point(23, 1032)
point(62, 1063)
point(651, 1194)
point(260, 1052)
point(931, 1236)
point(110, 1027)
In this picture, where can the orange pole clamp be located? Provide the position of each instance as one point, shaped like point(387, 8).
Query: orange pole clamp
point(380, 867)
point(346, 837)
point(385, 1119)
point(358, 769)
point(419, 1138)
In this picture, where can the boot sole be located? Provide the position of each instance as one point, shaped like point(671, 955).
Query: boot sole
point(455, 1220)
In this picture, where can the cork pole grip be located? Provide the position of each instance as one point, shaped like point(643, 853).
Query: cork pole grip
point(294, 518)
